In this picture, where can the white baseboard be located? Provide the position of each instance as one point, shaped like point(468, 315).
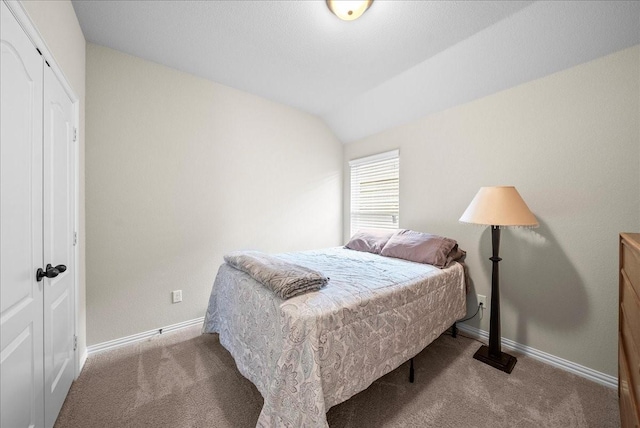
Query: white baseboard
point(83, 359)
point(561, 363)
point(116, 343)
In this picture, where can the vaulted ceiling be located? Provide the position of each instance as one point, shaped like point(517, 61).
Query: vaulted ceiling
point(400, 61)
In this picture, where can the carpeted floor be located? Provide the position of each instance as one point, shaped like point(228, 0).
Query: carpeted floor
point(186, 379)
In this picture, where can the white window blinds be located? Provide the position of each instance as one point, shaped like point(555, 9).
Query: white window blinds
point(375, 191)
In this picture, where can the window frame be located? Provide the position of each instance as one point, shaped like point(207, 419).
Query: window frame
point(366, 166)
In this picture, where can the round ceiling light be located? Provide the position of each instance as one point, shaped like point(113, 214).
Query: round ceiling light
point(348, 10)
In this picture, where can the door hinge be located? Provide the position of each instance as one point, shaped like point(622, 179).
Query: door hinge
point(75, 342)
point(75, 238)
point(75, 134)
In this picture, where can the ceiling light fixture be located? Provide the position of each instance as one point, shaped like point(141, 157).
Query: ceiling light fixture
point(348, 10)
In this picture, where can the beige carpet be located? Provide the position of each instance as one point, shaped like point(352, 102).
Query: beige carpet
point(187, 379)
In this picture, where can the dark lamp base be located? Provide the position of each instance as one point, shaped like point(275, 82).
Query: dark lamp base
point(504, 361)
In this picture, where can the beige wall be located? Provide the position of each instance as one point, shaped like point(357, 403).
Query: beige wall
point(570, 143)
point(58, 26)
point(181, 170)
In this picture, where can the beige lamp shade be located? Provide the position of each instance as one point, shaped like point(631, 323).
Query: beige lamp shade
point(499, 206)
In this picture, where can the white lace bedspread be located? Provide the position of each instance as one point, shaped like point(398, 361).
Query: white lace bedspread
point(316, 350)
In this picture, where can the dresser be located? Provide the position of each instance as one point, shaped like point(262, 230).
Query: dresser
point(629, 331)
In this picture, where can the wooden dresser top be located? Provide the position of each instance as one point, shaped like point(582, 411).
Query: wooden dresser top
point(633, 239)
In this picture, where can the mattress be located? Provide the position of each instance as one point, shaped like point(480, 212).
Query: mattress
point(313, 351)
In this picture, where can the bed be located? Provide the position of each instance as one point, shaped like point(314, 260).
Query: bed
point(313, 351)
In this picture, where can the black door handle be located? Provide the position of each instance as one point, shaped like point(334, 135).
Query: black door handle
point(51, 272)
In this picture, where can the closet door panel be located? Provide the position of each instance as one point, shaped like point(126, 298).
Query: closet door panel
point(21, 236)
point(59, 316)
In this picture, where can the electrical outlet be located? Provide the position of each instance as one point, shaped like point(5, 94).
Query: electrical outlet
point(483, 300)
point(176, 296)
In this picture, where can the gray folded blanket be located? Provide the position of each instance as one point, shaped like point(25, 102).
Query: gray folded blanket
point(283, 278)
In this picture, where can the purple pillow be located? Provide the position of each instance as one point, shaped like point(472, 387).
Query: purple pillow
point(422, 248)
point(370, 240)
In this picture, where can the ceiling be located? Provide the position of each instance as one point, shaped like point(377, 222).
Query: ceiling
point(359, 75)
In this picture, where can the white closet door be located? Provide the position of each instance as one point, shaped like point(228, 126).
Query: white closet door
point(59, 316)
point(21, 296)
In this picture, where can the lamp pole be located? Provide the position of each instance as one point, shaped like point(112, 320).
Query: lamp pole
point(494, 327)
point(493, 354)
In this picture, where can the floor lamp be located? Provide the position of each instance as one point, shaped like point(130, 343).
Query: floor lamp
point(498, 207)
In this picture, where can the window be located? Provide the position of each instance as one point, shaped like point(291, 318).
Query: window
point(375, 191)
